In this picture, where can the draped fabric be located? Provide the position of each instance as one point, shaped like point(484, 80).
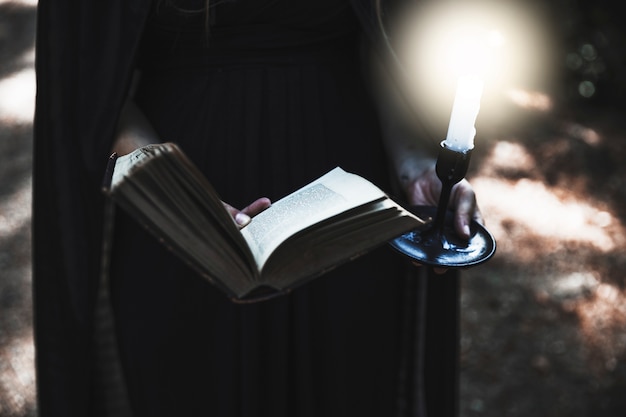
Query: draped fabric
point(272, 96)
point(85, 50)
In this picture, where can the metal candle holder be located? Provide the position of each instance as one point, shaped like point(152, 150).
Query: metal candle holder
point(451, 168)
point(437, 243)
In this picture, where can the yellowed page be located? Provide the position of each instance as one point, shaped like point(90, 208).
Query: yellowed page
point(331, 194)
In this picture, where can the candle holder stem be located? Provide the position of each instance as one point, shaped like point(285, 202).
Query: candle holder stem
point(442, 207)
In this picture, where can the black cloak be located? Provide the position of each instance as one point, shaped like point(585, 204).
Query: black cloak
point(84, 64)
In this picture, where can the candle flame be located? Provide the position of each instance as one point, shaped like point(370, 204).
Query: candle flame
point(472, 51)
point(507, 45)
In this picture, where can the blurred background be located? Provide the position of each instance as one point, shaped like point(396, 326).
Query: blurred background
point(544, 322)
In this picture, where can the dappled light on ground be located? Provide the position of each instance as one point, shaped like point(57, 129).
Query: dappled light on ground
point(527, 214)
point(17, 378)
point(543, 322)
point(17, 93)
point(15, 210)
point(602, 317)
point(532, 100)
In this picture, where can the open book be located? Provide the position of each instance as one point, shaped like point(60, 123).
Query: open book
point(332, 220)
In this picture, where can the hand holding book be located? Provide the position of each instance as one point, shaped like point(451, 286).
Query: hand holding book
point(330, 221)
point(244, 216)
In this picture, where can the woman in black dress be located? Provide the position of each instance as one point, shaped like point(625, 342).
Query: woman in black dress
point(264, 96)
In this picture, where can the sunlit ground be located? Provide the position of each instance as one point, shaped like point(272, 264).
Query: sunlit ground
point(533, 223)
point(17, 92)
point(542, 322)
point(549, 309)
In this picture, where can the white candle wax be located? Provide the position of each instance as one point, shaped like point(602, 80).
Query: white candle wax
point(461, 130)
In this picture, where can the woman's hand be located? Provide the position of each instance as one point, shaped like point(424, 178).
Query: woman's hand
point(243, 217)
point(425, 190)
point(134, 131)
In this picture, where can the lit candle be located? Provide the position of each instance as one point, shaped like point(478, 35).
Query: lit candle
point(461, 130)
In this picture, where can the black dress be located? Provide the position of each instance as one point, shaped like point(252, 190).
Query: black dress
point(265, 97)
point(272, 97)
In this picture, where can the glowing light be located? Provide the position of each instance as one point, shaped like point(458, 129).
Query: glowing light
point(471, 50)
point(469, 56)
point(461, 129)
point(508, 45)
point(495, 39)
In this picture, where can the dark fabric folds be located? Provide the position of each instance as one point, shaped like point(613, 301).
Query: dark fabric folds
point(257, 122)
point(84, 52)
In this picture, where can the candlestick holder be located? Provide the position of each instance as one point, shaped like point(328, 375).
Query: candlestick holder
point(437, 243)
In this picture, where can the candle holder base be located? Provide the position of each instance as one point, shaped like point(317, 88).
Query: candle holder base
point(441, 247)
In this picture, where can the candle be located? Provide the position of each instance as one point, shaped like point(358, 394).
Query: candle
point(461, 130)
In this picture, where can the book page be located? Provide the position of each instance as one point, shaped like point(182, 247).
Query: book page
point(330, 195)
point(124, 165)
